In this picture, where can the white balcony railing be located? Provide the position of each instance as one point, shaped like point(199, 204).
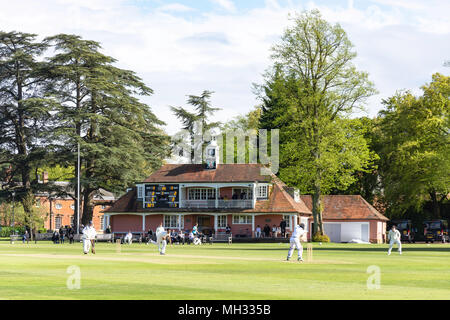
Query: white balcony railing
point(221, 204)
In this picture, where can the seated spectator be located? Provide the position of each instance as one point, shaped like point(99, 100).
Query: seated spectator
point(266, 231)
point(258, 232)
point(191, 237)
point(274, 231)
point(108, 230)
point(128, 238)
point(228, 229)
point(181, 237)
point(235, 196)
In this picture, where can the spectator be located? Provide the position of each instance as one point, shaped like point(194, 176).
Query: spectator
point(55, 237)
point(25, 237)
point(128, 238)
point(62, 234)
point(266, 231)
point(258, 232)
point(283, 228)
point(274, 231)
point(181, 237)
point(191, 237)
point(108, 230)
point(228, 229)
point(71, 235)
point(235, 196)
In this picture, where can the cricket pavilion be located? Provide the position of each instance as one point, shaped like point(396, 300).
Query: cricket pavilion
point(214, 196)
point(239, 197)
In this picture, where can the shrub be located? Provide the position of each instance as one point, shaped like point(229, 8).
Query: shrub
point(7, 231)
point(320, 238)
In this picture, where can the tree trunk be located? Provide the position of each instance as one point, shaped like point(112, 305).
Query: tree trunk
point(88, 206)
point(436, 205)
point(317, 211)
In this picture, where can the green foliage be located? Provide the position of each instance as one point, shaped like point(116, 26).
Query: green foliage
point(7, 231)
point(318, 237)
point(413, 134)
point(309, 93)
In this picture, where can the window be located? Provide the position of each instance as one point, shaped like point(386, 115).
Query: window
point(245, 193)
point(38, 203)
point(103, 207)
point(175, 222)
point(58, 206)
point(221, 221)
point(102, 223)
point(72, 206)
point(58, 222)
point(262, 191)
point(211, 152)
point(140, 191)
point(288, 219)
point(242, 219)
point(72, 218)
point(202, 194)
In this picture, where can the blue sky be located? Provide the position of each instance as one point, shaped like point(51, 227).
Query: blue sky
point(183, 47)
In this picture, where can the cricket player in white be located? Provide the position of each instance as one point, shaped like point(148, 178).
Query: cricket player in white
point(394, 237)
point(295, 242)
point(89, 235)
point(161, 242)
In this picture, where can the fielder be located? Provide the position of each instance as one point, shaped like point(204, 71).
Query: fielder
point(89, 235)
point(394, 237)
point(161, 239)
point(295, 242)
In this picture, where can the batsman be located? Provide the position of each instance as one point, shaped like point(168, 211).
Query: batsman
point(89, 235)
point(295, 242)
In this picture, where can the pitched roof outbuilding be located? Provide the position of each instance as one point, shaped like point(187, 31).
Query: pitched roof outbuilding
point(346, 207)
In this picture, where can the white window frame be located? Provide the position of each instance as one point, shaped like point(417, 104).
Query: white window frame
point(58, 219)
point(262, 191)
point(58, 206)
point(201, 193)
point(140, 191)
point(242, 219)
point(288, 219)
point(102, 222)
point(72, 206)
point(173, 221)
point(222, 221)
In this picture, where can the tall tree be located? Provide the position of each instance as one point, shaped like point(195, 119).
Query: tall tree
point(414, 134)
point(323, 148)
point(120, 138)
point(200, 116)
point(24, 118)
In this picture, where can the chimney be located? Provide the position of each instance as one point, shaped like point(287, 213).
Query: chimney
point(45, 177)
point(297, 195)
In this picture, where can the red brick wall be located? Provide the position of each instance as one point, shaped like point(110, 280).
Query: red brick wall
point(125, 223)
point(152, 222)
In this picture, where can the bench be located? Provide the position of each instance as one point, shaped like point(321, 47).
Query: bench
point(223, 237)
point(15, 237)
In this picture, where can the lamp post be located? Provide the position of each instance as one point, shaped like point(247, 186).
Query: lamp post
point(13, 219)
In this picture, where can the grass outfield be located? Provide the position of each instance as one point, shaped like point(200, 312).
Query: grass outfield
point(220, 271)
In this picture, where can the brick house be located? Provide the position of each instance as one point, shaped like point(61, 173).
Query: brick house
point(60, 210)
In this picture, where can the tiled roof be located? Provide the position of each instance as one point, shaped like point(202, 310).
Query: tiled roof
point(346, 207)
point(178, 173)
point(279, 200)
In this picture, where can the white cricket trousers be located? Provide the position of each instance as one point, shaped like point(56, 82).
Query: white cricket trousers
point(162, 246)
point(391, 245)
point(295, 244)
point(86, 245)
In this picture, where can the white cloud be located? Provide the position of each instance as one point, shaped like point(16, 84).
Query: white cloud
point(226, 4)
point(177, 55)
point(175, 7)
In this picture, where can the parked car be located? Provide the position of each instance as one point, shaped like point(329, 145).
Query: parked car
point(407, 231)
point(436, 230)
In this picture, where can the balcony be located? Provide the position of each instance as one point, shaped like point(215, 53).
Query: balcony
point(221, 204)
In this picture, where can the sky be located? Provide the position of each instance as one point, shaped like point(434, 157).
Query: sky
point(183, 47)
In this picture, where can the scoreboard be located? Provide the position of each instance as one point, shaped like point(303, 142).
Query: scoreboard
point(162, 196)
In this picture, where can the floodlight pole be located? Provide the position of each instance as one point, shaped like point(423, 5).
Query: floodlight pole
point(13, 217)
point(78, 190)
